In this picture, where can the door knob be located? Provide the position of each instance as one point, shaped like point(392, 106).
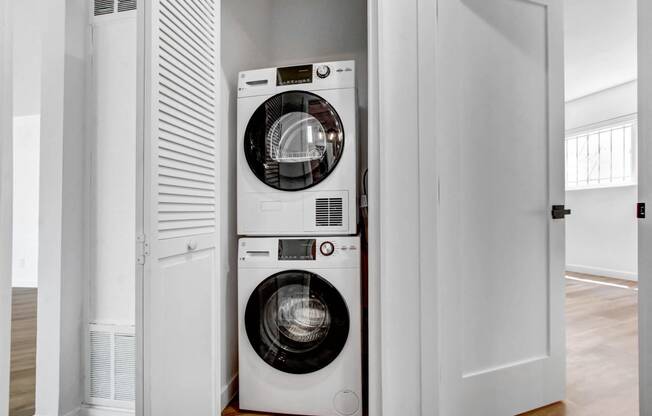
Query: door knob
point(559, 212)
point(192, 245)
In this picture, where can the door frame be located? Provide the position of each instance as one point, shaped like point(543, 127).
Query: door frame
point(403, 347)
point(645, 195)
point(6, 199)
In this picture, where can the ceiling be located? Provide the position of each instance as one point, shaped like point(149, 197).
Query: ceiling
point(600, 37)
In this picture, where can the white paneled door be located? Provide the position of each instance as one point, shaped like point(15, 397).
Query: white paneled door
point(179, 290)
point(501, 169)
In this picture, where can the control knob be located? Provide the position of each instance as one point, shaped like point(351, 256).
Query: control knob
point(323, 71)
point(327, 248)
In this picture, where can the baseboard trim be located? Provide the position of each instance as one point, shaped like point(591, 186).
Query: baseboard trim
point(89, 410)
point(229, 391)
point(74, 412)
point(24, 284)
point(597, 271)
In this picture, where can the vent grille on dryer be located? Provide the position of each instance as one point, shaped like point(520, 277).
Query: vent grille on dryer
point(103, 7)
point(126, 5)
point(328, 212)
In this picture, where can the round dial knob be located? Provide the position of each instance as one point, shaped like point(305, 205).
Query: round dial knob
point(327, 248)
point(323, 71)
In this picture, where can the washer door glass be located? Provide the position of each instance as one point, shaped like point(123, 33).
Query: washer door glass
point(294, 140)
point(297, 322)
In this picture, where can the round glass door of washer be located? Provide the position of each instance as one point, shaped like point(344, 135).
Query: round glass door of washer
point(294, 140)
point(297, 322)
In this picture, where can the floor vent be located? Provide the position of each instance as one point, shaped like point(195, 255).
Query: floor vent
point(112, 366)
point(328, 212)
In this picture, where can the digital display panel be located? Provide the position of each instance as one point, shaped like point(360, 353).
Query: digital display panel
point(294, 75)
point(303, 249)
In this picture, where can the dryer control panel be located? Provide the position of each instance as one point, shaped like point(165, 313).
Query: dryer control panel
point(306, 77)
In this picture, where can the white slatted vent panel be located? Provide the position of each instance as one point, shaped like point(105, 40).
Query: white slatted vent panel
point(328, 212)
point(186, 118)
point(109, 7)
point(102, 7)
point(100, 364)
point(112, 366)
point(126, 5)
point(125, 367)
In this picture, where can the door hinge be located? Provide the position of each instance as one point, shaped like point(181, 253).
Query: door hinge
point(640, 210)
point(143, 249)
point(559, 212)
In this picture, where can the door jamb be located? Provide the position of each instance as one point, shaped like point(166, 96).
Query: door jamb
point(6, 199)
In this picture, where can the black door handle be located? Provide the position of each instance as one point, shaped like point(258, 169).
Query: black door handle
point(559, 212)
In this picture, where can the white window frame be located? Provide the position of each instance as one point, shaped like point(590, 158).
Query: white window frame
point(590, 129)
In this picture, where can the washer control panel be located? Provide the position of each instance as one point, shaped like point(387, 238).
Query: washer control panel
point(265, 251)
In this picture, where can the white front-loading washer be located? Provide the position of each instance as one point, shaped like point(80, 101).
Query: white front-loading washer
point(300, 325)
point(298, 150)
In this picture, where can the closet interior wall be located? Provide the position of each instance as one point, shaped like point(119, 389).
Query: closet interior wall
point(270, 33)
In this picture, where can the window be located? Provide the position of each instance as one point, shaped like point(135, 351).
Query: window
point(602, 156)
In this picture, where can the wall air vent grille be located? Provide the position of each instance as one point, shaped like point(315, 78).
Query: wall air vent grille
point(186, 118)
point(112, 366)
point(328, 212)
point(102, 7)
point(125, 367)
point(100, 366)
point(126, 5)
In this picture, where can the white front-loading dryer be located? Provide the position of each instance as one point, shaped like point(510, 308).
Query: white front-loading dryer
point(300, 341)
point(298, 150)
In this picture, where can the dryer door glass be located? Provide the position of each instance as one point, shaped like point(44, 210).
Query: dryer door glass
point(297, 322)
point(294, 140)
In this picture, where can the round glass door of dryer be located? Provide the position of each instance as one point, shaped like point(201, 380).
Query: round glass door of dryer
point(294, 140)
point(297, 322)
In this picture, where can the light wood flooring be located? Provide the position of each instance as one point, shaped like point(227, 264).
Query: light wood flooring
point(602, 342)
point(23, 352)
point(602, 352)
point(602, 337)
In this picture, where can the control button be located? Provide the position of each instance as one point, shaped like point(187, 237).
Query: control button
point(327, 248)
point(323, 71)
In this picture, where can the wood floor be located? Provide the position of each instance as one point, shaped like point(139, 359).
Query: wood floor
point(23, 352)
point(602, 352)
point(602, 342)
point(602, 334)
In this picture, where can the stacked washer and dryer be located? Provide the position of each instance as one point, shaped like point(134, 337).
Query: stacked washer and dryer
point(299, 297)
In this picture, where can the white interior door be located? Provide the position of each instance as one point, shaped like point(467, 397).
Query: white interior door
point(6, 198)
point(179, 291)
point(501, 168)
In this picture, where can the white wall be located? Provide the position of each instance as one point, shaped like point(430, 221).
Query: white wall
point(27, 57)
point(26, 188)
point(27, 108)
point(601, 234)
point(59, 370)
point(113, 172)
point(259, 34)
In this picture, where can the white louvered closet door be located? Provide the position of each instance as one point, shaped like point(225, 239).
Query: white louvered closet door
point(179, 287)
